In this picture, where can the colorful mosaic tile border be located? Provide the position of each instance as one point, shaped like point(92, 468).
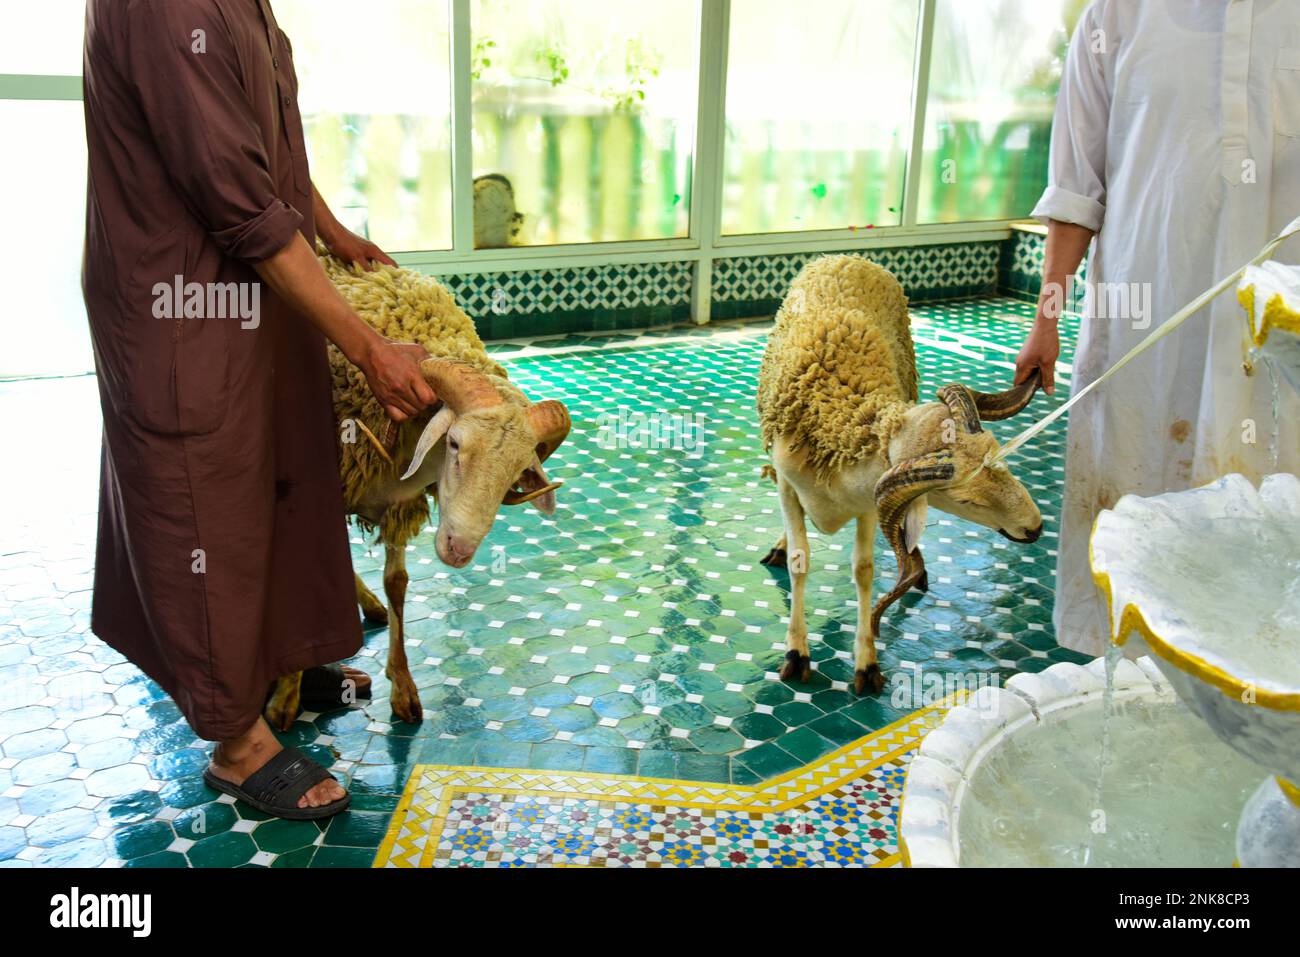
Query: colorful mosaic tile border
point(839, 811)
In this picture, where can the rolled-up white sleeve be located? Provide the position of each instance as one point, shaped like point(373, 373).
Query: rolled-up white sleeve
point(1076, 190)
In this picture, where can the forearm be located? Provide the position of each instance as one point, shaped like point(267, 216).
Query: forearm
point(1067, 244)
point(295, 275)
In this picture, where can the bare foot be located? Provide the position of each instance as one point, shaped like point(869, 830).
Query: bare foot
point(235, 760)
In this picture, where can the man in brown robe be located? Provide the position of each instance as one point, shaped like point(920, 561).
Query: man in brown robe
point(223, 559)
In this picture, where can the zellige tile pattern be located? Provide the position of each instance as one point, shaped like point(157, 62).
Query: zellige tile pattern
point(633, 634)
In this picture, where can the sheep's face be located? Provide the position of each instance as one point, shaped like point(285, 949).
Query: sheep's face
point(995, 499)
point(941, 453)
point(486, 454)
point(986, 495)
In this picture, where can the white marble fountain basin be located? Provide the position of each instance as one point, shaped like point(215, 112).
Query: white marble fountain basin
point(1010, 778)
point(1209, 582)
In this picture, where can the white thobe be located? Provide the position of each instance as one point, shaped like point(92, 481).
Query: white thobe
point(1177, 139)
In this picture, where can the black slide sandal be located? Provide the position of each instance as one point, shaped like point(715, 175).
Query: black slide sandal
point(323, 687)
point(276, 786)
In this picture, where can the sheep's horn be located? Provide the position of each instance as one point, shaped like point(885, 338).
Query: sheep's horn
point(433, 433)
point(461, 386)
point(995, 406)
point(897, 489)
point(962, 404)
point(516, 497)
point(551, 423)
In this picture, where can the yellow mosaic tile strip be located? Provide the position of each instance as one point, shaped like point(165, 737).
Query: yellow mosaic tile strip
point(417, 824)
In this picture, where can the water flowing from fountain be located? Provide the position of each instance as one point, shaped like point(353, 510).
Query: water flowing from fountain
point(1097, 823)
point(1275, 438)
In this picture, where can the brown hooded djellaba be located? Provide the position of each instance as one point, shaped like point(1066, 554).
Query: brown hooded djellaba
point(222, 560)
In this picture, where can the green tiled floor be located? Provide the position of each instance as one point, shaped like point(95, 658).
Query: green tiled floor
point(635, 633)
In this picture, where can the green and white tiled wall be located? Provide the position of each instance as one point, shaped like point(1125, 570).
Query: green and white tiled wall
point(543, 302)
point(755, 285)
point(1020, 269)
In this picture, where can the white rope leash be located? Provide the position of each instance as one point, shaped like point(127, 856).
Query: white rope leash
point(1168, 326)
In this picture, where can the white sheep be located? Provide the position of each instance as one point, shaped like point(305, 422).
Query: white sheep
point(837, 401)
point(482, 446)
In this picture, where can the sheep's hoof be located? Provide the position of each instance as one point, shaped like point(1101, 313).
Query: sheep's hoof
point(280, 718)
point(776, 558)
point(405, 699)
point(923, 583)
point(872, 678)
point(282, 709)
point(796, 666)
point(375, 614)
point(408, 710)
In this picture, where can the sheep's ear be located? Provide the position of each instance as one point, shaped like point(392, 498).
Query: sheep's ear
point(534, 478)
point(433, 432)
point(914, 523)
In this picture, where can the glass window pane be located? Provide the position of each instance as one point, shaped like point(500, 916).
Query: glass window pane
point(993, 82)
point(42, 37)
point(818, 113)
point(47, 333)
point(587, 109)
point(375, 93)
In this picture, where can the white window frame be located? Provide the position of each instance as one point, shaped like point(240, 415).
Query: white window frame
point(704, 243)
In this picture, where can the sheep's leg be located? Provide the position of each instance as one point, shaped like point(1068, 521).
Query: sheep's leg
point(777, 557)
point(371, 607)
point(282, 710)
point(797, 662)
point(866, 672)
point(404, 696)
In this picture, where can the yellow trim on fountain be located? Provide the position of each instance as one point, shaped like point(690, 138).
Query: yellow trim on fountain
point(1131, 620)
point(1277, 315)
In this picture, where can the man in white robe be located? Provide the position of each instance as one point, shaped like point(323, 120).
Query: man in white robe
point(1176, 156)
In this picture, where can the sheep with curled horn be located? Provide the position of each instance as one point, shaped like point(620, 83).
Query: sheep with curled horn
point(481, 446)
point(837, 402)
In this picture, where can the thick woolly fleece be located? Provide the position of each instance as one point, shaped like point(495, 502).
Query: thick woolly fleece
point(405, 306)
point(840, 370)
